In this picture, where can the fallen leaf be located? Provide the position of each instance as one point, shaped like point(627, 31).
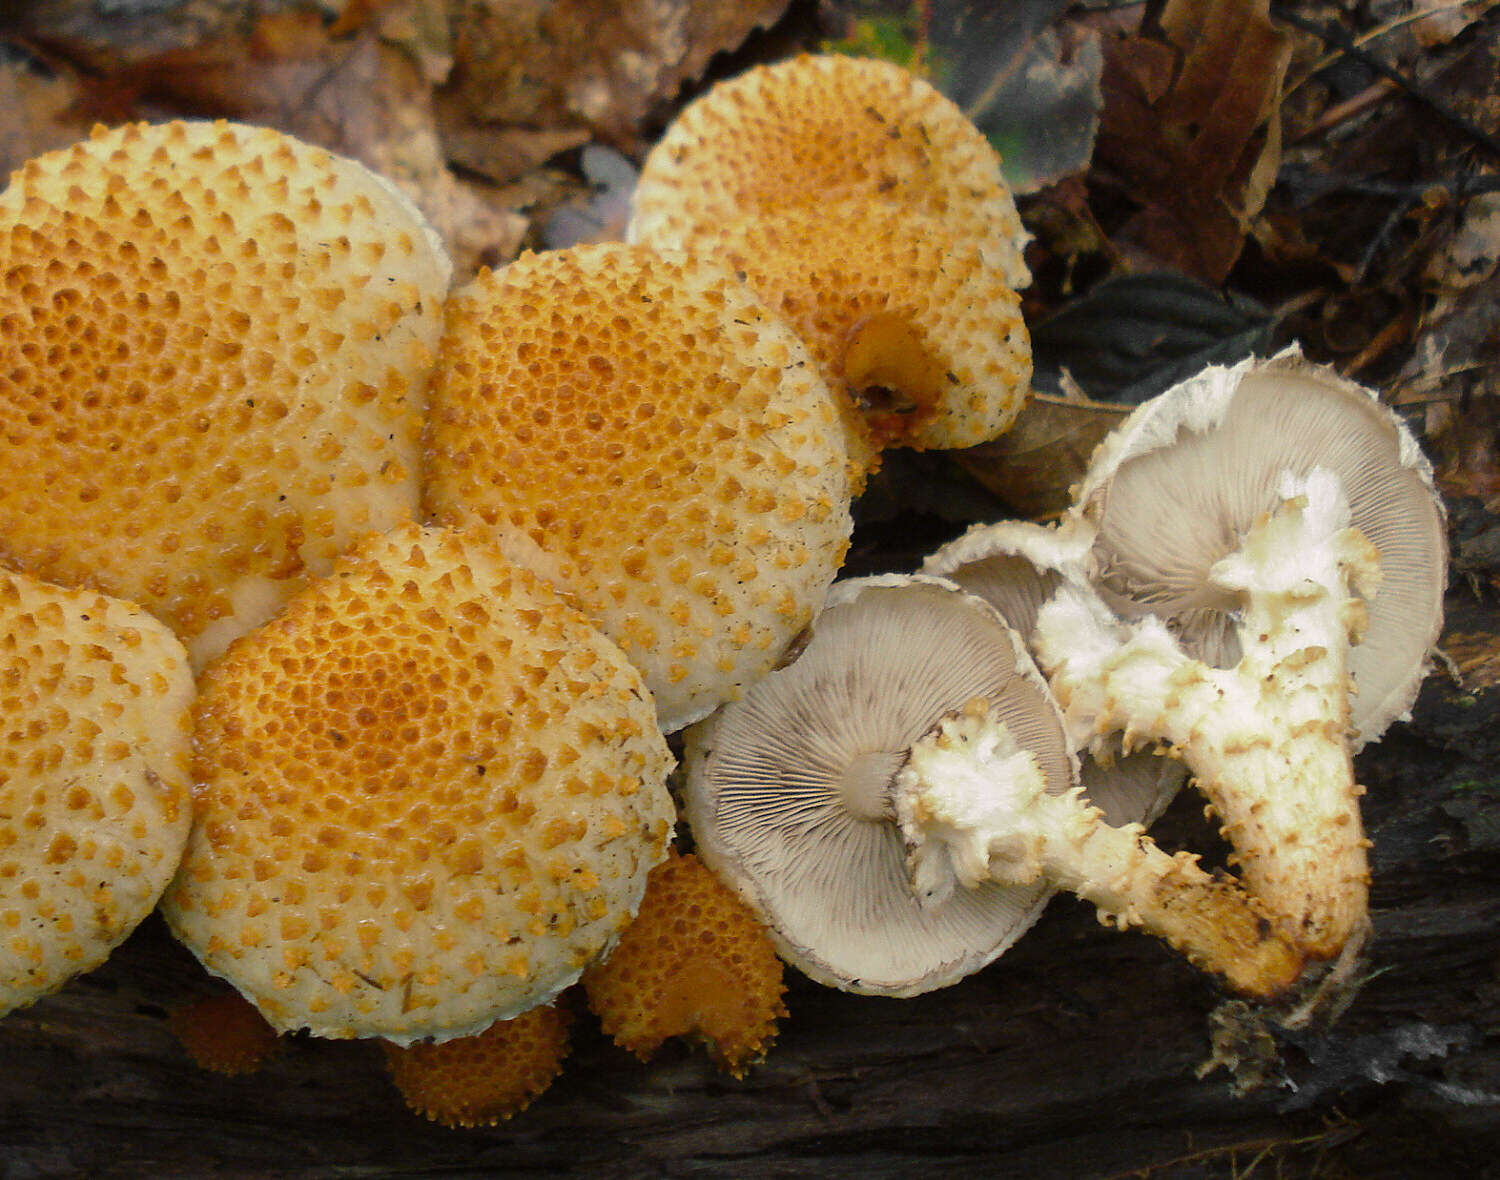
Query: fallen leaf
point(1033, 466)
point(572, 70)
point(37, 113)
point(1028, 81)
point(1132, 336)
point(1476, 657)
point(1032, 85)
point(1190, 130)
point(601, 214)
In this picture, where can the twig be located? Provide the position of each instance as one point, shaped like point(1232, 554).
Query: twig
point(1376, 33)
point(1337, 38)
point(1458, 188)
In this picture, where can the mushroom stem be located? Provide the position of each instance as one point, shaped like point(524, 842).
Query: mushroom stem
point(973, 807)
point(1268, 737)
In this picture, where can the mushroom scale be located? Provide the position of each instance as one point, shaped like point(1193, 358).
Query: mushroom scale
point(819, 128)
point(1016, 566)
point(638, 427)
point(429, 794)
point(214, 344)
point(921, 338)
point(94, 778)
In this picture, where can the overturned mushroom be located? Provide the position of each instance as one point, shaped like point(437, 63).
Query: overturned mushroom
point(1176, 486)
point(642, 431)
point(429, 794)
point(1337, 591)
point(94, 778)
point(214, 345)
point(815, 129)
point(899, 803)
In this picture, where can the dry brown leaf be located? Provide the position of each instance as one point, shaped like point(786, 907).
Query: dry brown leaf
point(1191, 131)
point(581, 68)
point(37, 114)
point(361, 94)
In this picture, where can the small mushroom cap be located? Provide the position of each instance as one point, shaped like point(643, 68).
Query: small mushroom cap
point(429, 793)
point(820, 128)
point(787, 791)
point(1016, 567)
point(214, 343)
point(643, 430)
point(225, 1033)
point(695, 962)
point(481, 1079)
point(94, 778)
point(1180, 481)
point(921, 338)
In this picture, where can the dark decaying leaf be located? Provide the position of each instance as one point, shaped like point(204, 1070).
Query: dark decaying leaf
point(1133, 336)
point(1032, 468)
point(1028, 82)
point(551, 68)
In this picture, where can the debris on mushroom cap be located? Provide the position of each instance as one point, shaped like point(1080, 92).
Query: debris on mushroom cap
point(481, 1079)
point(787, 789)
point(225, 1034)
point(820, 128)
point(1266, 738)
point(1016, 566)
point(429, 793)
point(94, 778)
point(695, 962)
point(644, 426)
point(899, 802)
point(214, 343)
point(1174, 488)
point(920, 337)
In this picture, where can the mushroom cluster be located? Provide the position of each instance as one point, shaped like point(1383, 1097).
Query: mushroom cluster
point(347, 617)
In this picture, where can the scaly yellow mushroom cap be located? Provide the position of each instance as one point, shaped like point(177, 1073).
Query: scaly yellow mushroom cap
point(429, 793)
point(94, 778)
point(921, 338)
point(214, 344)
point(695, 962)
point(821, 128)
point(641, 429)
point(481, 1079)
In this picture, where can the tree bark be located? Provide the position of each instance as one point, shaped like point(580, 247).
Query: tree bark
point(1075, 1055)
